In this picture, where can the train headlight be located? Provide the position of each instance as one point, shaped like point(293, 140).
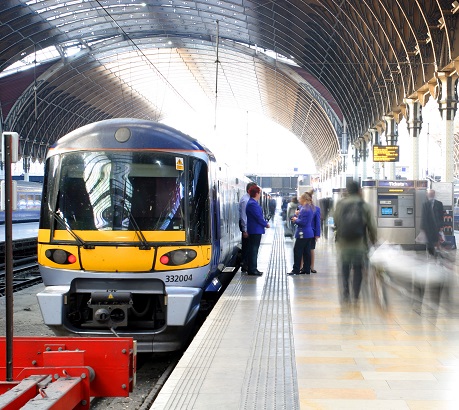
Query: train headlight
point(60, 256)
point(178, 257)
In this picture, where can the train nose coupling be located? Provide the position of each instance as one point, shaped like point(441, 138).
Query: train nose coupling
point(110, 308)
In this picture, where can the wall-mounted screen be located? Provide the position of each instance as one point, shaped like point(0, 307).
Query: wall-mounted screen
point(385, 153)
point(387, 210)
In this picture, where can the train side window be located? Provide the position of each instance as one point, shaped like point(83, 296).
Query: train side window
point(198, 202)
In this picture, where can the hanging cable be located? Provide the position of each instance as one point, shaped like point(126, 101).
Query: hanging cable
point(140, 52)
point(35, 81)
point(217, 62)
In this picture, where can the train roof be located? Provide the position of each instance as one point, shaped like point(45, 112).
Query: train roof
point(28, 184)
point(128, 133)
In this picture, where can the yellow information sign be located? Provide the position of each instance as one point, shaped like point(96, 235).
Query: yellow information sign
point(179, 164)
point(385, 153)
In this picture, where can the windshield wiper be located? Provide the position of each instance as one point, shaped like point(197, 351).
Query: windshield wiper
point(145, 246)
point(58, 218)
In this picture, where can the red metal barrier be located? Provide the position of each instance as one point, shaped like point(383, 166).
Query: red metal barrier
point(63, 373)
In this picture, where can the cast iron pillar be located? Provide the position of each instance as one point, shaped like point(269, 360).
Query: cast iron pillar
point(26, 167)
point(356, 158)
point(343, 153)
point(391, 139)
point(374, 138)
point(363, 153)
point(447, 104)
point(414, 125)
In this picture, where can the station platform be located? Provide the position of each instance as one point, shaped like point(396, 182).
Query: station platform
point(287, 342)
point(21, 231)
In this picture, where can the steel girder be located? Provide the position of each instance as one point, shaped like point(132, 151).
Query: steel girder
point(366, 56)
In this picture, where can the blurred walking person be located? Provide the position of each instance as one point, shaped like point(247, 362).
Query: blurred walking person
point(292, 207)
point(355, 230)
point(326, 205)
point(432, 220)
point(316, 227)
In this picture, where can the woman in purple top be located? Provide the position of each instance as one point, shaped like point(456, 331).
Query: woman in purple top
point(304, 235)
point(256, 225)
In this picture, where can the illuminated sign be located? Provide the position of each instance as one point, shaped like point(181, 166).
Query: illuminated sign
point(385, 153)
point(393, 184)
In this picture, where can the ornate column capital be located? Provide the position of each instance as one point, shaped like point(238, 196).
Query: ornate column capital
point(391, 130)
point(447, 94)
point(413, 115)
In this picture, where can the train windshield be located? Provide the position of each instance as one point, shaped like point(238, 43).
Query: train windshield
point(120, 191)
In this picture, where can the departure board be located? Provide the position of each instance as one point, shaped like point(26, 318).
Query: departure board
point(385, 153)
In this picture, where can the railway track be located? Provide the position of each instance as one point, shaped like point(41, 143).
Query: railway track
point(25, 266)
point(152, 369)
point(152, 372)
point(25, 274)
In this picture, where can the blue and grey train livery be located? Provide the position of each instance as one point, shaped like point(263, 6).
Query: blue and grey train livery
point(137, 223)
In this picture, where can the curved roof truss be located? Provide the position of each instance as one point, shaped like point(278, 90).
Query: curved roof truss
point(363, 57)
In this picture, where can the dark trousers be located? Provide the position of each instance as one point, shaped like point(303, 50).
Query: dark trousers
point(252, 256)
point(431, 248)
point(244, 251)
point(355, 261)
point(302, 249)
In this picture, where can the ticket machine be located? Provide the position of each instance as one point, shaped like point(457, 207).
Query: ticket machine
point(397, 207)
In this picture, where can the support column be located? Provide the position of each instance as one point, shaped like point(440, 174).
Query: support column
point(447, 104)
point(374, 136)
point(356, 158)
point(343, 168)
point(363, 153)
point(26, 167)
point(344, 155)
point(391, 139)
point(414, 125)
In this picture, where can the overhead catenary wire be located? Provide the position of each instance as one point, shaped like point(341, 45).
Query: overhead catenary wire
point(139, 50)
point(217, 63)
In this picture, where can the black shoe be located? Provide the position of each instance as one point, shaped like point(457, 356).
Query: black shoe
point(293, 273)
point(313, 271)
point(302, 272)
point(256, 273)
point(244, 269)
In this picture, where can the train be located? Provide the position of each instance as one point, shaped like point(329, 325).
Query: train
point(27, 202)
point(138, 225)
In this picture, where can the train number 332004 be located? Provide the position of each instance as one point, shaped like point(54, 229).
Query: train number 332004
point(178, 278)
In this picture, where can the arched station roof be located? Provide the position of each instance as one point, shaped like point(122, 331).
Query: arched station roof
point(356, 59)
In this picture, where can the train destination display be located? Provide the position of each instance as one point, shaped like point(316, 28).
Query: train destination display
point(385, 153)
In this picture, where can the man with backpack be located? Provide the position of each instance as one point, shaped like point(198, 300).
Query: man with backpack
point(355, 229)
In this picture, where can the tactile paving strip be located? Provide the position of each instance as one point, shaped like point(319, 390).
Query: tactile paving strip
point(270, 379)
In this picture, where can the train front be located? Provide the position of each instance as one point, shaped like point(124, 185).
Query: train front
point(124, 240)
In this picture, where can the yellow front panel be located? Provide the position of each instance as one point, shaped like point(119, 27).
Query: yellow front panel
point(102, 258)
point(117, 259)
point(112, 236)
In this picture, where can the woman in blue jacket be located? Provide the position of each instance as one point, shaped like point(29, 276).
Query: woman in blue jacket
point(256, 225)
point(304, 235)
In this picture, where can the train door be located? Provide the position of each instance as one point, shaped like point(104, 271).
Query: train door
point(215, 218)
point(224, 212)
